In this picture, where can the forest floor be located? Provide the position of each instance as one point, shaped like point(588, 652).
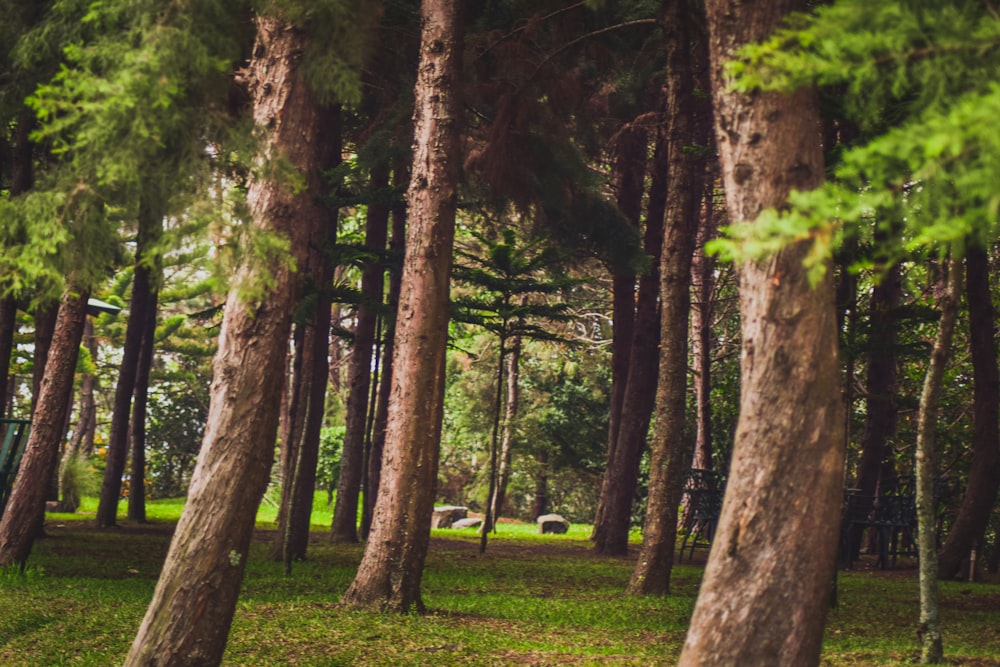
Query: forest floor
point(530, 600)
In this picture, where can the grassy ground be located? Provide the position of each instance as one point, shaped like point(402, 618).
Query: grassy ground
point(529, 601)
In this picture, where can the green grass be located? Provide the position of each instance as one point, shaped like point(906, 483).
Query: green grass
point(537, 600)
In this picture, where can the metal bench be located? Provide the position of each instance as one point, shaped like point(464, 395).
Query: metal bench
point(13, 438)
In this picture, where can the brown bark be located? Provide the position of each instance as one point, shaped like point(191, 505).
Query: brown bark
point(390, 571)
point(926, 467)
point(82, 442)
point(765, 592)
point(689, 125)
point(150, 216)
point(620, 479)
point(984, 471)
point(295, 388)
point(25, 511)
point(189, 617)
point(629, 177)
point(345, 513)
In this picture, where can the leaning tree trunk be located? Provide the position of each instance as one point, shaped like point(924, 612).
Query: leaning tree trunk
point(984, 472)
point(345, 513)
point(45, 325)
point(931, 651)
point(689, 125)
point(150, 216)
point(765, 593)
point(25, 511)
point(620, 479)
point(188, 620)
point(629, 174)
point(390, 571)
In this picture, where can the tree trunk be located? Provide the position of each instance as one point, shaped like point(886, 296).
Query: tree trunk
point(25, 511)
point(137, 425)
point(689, 125)
point(374, 472)
point(188, 620)
point(620, 479)
point(150, 216)
point(629, 177)
point(345, 513)
point(390, 571)
point(541, 502)
point(296, 389)
point(930, 625)
point(703, 277)
point(8, 325)
point(507, 427)
point(881, 411)
point(775, 548)
point(984, 472)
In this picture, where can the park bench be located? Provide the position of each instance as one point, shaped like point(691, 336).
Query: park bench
point(13, 437)
point(703, 492)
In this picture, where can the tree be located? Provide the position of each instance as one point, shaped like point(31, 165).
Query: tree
point(785, 482)
point(687, 131)
point(390, 570)
point(25, 510)
point(204, 567)
point(980, 495)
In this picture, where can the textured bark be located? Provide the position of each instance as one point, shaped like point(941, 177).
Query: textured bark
point(931, 651)
point(391, 568)
point(670, 450)
point(188, 620)
point(137, 425)
point(25, 511)
point(150, 216)
point(984, 472)
point(345, 513)
point(292, 424)
point(765, 592)
point(620, 479)
point(629, 177)
point(881, 411)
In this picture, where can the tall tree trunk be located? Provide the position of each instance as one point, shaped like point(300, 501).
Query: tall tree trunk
point(150, 216)
point(881, 411)
point(345, 514)
point(620, 479)
point(984, 472)
point(137, 425)
point(507, 426)
point(931, 651)
point(689, 125)
point(540, 505)
point(296, 389)
point(374, 472)
point(703, 277)
point(775, 548)
point(188, 620)
point(390, 571)
point(629, 178)
point(25, 511)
